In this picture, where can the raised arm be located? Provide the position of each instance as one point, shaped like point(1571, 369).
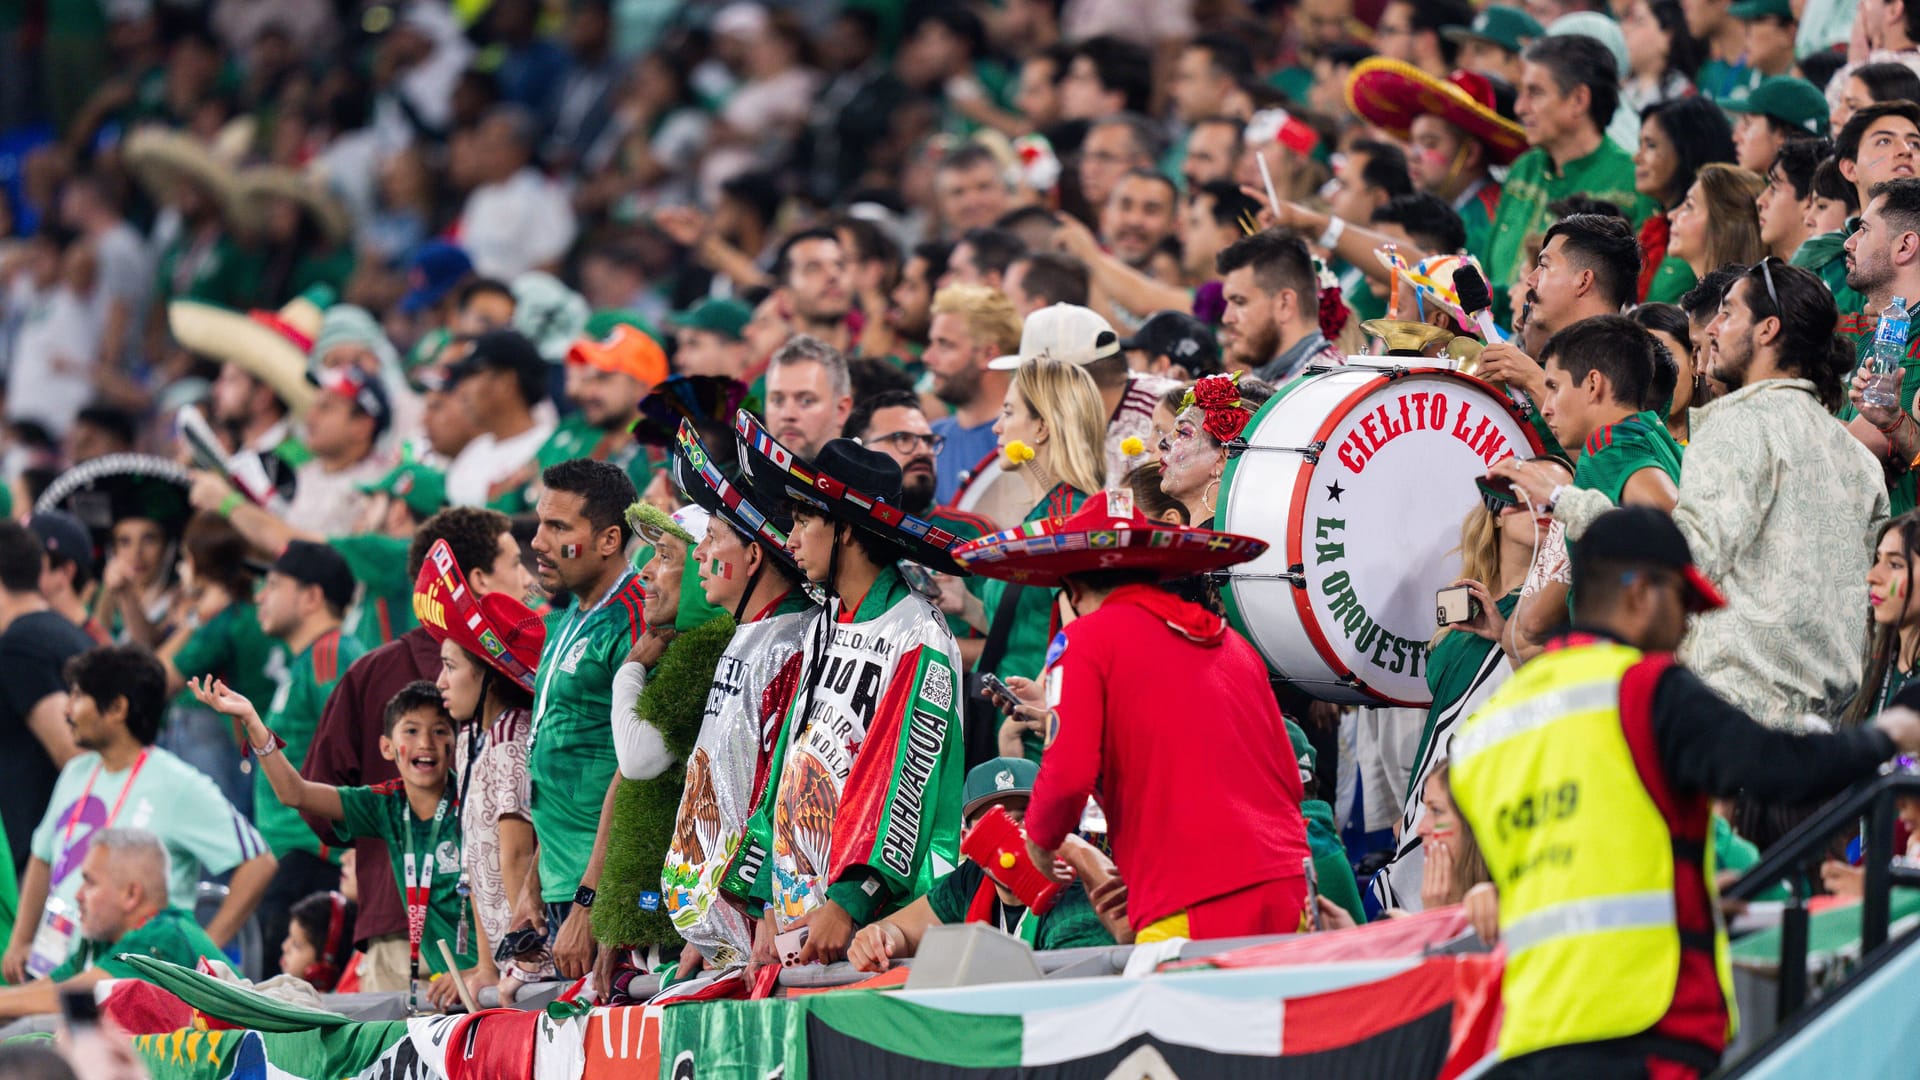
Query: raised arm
point(292, 789)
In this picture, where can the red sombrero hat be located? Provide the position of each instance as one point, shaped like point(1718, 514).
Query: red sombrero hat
point(1106, 533)
point(497, 628)
point(1389, 94)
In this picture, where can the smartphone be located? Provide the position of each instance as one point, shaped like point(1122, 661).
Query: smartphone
point(1455, 605)
point(787, 946)
point(1313, 894)
point(999, 692)
point(82, 1013)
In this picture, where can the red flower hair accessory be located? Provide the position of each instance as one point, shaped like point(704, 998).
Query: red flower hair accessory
point(1226, 413)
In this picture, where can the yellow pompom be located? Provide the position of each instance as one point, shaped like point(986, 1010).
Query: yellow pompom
point(1132, 446)
point(1007, 860)
point(1018, 452)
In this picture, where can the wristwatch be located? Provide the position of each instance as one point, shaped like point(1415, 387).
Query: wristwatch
point(583, 897)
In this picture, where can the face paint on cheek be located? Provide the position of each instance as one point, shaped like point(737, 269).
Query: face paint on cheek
point(719, 568)
point(569, 551)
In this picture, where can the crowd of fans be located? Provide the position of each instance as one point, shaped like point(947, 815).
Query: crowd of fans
point(356, 526)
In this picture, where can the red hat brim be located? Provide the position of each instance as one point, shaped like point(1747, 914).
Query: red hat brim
point(1045, 552)
point(1703, 595)
point(1389, 94)
point(497, 628)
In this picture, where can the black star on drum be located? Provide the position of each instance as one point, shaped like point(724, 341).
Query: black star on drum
point(1334, 491)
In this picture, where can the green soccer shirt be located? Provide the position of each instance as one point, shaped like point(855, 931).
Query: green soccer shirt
point(1534, 181)
point(571, 761)
point(170, 935)
point(232, 646)
point(1858, 327)
point(293, 715)
point(383, 811)
point(384, 608)
point(1615, 452)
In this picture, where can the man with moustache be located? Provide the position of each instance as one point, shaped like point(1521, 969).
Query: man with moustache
point(814, 285)
point(971, 326)
point(1883, 261)
point(1880, 142)
point(1139, 217)
point(1272, 323)
point(613, 366)
point(1213, 151)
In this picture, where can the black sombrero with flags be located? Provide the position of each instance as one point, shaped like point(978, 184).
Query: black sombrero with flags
point(1106, 533)
point(711, 487)
point(119, 487)
point(779, 472)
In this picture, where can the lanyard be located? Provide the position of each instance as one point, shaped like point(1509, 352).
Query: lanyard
point(563, 644)
point(419, 882)
point(66, 838)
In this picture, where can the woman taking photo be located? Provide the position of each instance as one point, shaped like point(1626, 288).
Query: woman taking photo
point(1670, 327)
point(1676, 138)
point(1717, 223)
point(1052, 432)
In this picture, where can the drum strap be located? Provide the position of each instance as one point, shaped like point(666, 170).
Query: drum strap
point(1000, 629)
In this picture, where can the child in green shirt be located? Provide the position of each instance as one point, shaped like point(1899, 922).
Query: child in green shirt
point(418, 816)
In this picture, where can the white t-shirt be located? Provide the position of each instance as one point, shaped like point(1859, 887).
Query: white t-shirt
point(329, 503)
point(517, 225)
point(50, 377)
point(203, 833)
point(487, 461)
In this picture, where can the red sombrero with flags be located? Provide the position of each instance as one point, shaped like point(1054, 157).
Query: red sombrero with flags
point(1106, 533)
point(1389, 94)
point(496, 627)
point(773, 468)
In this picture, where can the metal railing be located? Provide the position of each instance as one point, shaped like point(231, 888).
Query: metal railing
point(1787, 859)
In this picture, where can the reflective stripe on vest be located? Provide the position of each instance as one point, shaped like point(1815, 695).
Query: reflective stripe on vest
point(1634, 911)
point(1582, 856)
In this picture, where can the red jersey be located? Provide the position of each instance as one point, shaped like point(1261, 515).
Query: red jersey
point(1165, 714)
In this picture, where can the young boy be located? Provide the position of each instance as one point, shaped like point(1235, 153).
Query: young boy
point(418, 816)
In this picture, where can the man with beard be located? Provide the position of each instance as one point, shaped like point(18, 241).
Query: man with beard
point(971, 189)
point(972, 325)
point(1879, 142)
point(1775, 502)
point(1213, 151)
point(1272, 323)
point(814, 285)
point(613, 365)
point(1589, 265)
point(254, 419)
point(911, 314)
point(1139, 217)
point(1883, 261)
point(712, 339)
point(581, 549)
point(809, 394)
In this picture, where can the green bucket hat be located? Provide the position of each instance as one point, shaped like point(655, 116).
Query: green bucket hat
point(422, 487)
point(996, 779)
point(1792, 101)
point(728, 318)
point(688, 525)
point(1508, 27)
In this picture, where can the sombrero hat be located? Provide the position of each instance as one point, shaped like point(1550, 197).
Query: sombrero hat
point(1106, 533)
point(266, 181)
point(160, 159)
point(117, 487)
point(708, 484)
point(709, 401)
point(496, 627)
point(780, 473)
point(1432, 279)
point(1389, 94)
point(272, 346)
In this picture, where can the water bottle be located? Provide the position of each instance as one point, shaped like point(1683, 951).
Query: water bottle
point(1882, 392)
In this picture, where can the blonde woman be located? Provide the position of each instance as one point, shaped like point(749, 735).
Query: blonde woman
point(1052, 434)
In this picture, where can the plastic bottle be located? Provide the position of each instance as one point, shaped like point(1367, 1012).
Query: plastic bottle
point(1882, 391)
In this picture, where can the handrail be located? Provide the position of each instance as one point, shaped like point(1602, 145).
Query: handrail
point(1873, 800)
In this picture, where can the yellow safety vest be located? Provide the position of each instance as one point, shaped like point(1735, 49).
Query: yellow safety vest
point(1582, 857)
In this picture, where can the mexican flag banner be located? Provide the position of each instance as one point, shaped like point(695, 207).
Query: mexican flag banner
point(1398, 1026)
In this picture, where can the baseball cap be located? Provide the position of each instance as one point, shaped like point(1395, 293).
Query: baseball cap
point(1641, 534)
point(995, 779)
point(1598, 27)
point(317, 564)
point(624, 350)
point(62, 534)
point(364, 390)
point(728, 318)
point(502, 350)
point(1304, 755)
point(1068, 332)
point(436, 267)
point(1508, 27)
point(1790, 100)
point(422, 487)
point(1176, 334)
point(1748, 10)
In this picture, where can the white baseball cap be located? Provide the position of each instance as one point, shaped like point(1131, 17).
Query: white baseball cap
point(1068, 332)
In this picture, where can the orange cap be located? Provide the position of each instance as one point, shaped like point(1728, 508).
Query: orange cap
point(627, 350)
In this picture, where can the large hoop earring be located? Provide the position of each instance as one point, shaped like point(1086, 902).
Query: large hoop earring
point(1208, 494)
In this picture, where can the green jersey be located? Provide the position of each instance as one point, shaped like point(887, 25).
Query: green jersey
point(571, 761)
point(1671, 280)
point(1476, 214)
point(294, 714)
point(1534, 181)
point(1070, 924)
point(1615, 452)
point(1033, 625)
point(383, 608)
point(434, 843)
point(1858, 327)
point(232, 646)
point(170, 935)
point(575, 438)
point(224, 273)
point(1725, 81)
point(1826, 256)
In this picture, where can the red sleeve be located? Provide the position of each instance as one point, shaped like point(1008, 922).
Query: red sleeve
point(1070, 768)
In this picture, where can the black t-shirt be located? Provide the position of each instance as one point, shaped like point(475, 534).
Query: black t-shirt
point(32, 651)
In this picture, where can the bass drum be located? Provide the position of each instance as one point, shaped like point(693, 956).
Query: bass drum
point(1360, 479)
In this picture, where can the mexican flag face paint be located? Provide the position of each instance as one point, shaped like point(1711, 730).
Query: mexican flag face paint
point(719, 569)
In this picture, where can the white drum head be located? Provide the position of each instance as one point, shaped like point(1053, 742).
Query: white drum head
point(1363, 537)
